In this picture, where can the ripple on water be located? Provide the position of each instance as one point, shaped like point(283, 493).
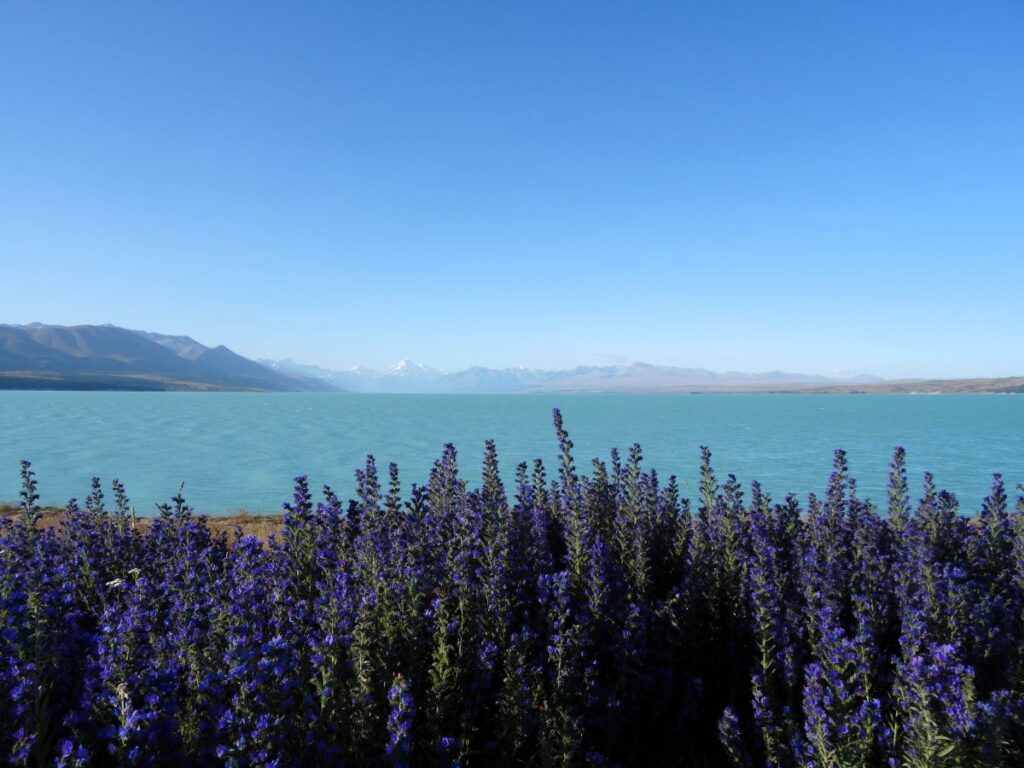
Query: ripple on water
point(242, 450)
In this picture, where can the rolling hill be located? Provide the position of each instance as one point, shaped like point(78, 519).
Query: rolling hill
point(39, 356)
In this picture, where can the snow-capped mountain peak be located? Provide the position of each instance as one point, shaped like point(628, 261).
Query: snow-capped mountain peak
point(410, 369)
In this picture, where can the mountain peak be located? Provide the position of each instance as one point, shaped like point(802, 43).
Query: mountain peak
point(410, 368)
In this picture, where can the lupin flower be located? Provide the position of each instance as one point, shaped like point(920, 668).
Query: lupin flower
point(589, 620)
point(934, 694)
point(841, 717)
point(400, 723)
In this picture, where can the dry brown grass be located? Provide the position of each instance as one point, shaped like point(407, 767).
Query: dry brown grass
point(260, 526)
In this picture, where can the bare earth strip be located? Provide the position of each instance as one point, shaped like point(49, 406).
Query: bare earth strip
point(243, 523)
point(1009, 385)
point(1004, 386)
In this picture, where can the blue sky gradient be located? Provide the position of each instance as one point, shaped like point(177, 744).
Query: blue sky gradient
point(808, 186)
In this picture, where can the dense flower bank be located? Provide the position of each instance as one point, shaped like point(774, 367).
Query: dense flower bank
point(585, 620)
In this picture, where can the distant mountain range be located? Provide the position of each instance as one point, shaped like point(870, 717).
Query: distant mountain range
point(407, 376)
point(39, 356)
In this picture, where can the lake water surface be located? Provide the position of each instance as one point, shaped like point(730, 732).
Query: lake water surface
point(241, 451)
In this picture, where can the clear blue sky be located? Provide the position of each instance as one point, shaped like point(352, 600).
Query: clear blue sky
point(809, 186)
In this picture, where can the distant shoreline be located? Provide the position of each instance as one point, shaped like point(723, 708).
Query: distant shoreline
point(1012, 385)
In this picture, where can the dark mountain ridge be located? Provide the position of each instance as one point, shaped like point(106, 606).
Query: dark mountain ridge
point(39, 356)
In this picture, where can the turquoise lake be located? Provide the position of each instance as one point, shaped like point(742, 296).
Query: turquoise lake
point(241, 451)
